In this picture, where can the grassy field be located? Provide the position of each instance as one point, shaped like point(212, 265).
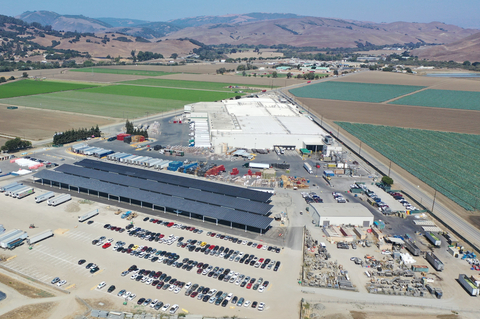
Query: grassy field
point(117, 106)
point(448, 99)
point(446, 161)
point(350, 91)
point(162, 93)
point(215, 86)
point(31, 87)
point(122, 71)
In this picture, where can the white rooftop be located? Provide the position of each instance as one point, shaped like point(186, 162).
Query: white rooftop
point(341, 210)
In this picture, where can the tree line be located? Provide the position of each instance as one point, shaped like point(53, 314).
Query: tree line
point(75, 135)
point(130, 129)
point(15, 144)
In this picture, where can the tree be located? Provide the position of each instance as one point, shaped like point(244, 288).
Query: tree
point(221, 71)
point(467, 63)
point(408, 70)
point(2, 79)
point(25, 74)
point(244, 73)
point(11, 78)
point(387, 180)
point(15, 144)
point(174, 56)
point(335, 72)
point(133, 56)
point(274, 74)
point(289, 75)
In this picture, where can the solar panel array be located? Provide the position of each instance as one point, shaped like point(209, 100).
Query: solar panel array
point(185, 205)
point(183, 181)
point(170, 190)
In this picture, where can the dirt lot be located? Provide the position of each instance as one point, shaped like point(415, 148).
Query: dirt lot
point(24, 289)
point(428, 118)
point(37, 311)
point(34, 124)
point(268, 82)
point(265, 53)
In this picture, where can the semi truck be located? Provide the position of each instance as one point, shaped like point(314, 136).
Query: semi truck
point(258, 165)
point(59, 200)
point(434, 261)
point(23, 193)
point(9, 191)
point(13, 239)
point(35, 239)
point(87, 216)
point(308, 168)
point(44, 197)
point(4, 188)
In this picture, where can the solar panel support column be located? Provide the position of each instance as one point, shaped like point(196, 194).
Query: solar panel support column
point(216, 221)
point(231, 225)
point(141, 204)
point(190, 215)
point(245, 228)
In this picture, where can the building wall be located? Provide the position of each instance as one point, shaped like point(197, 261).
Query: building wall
point(356, 221)
point(258, 140)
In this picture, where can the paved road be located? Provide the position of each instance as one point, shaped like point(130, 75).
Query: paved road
point(448, 216)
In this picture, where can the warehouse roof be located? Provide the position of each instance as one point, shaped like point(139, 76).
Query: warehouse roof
point(172, 179)
point(341, 210)
point(170, 190)
point(184, 205)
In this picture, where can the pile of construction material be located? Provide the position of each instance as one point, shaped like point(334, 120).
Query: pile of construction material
point(292, 182)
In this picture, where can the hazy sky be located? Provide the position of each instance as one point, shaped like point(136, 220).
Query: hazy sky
point(464, 13)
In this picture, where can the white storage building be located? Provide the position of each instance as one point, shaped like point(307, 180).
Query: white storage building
point(341, 214)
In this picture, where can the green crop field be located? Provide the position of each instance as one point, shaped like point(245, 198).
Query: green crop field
point(31, 87)
point(162, 93)
point(215, 86)
point(449, 99)
point(109, 105)
point(122, 71)
point(446, 161)
point(350, 91)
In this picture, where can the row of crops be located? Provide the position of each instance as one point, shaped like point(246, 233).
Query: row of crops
point(443, 98)
point(353, 91)
point(448, 162)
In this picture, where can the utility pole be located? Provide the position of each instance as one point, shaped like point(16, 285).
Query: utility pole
point(389, 167)
point(434, 198)
point(360, 151)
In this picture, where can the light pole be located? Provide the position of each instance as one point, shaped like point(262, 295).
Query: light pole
point(389, 167)
point(360, 151)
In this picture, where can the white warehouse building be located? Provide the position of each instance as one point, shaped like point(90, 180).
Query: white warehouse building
point(336, 214)
point(261, 123)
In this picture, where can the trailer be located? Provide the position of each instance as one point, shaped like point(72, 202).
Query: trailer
point(308, 168)
point(59, 200)
point(15, 193)
point(258, 165)
point(13, 239)
point(39, 237)
point(24, 193)
point(433, 239)
point(434, 261)
point(126, 214)
point(4, 188)
point(14, 189)
point(9, 234)
point(87, 216)
point(469, 286)
point(412, 248)
point(44, 197)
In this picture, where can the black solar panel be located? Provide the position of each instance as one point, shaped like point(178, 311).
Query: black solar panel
point(177, 180)
point(170, 190)
point(184, 205)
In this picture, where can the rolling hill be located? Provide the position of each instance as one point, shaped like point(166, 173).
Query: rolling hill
point(467, 49)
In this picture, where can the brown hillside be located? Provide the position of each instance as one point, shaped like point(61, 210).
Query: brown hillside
point(467, 49)
point(323, 32)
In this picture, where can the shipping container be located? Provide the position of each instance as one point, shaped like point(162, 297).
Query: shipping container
point(328, 173)
point(419, 268)
point(469, 286)
point(258, 165)
point(6, 187)
point(88, 215)
point(412, 248)
point(434, 261)
point(433, 239)
point(122, 136)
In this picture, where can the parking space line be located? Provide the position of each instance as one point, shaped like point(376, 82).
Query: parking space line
point(93, 287)
point(71, 286)
point(98, 272)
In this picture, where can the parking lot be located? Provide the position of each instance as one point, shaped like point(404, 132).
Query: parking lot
point(59, 256)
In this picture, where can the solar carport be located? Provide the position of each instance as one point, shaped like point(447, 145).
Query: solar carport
point(208, 206)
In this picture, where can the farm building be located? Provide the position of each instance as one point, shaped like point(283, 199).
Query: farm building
point(257, 123)
point(341, 214)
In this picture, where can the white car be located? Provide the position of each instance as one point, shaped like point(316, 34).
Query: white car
point(238, 281)
point(177, 290)
point(110, 240)
point(174, 309)
point(144, 279)
point(247, 303)
point(153, 303)
point(229, 296)
point(165, 307)
point(172, 288)
point(149, 281)
point(261, 306)
point(61, 283)
point(261, 289)
point(133, 276)
point(244, 242)
point(101, 285)
point(188, 285)
point(264, 247)
point(132, 296)
point(127, 294)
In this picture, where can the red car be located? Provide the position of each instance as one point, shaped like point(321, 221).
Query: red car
point(213, 234)
point(261, 260)
point(199, 271)
point(259, 246)
point(211, 247)
point(249, 285)
point(194, 294)
point(162, 235)
point(192, 228)
point(170, 224)
point(106, 245)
